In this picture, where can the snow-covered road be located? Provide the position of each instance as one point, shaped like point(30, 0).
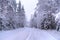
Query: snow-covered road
point(26, 34)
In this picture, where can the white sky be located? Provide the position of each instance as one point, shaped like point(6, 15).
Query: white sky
point(29, 6)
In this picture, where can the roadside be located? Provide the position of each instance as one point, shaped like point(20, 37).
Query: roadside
point(54, 33)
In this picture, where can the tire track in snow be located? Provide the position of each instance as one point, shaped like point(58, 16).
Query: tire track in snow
point(29, 35)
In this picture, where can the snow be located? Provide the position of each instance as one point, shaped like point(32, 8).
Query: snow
point(54, 33)
point(28, 34)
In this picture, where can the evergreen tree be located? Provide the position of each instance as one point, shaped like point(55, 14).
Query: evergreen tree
point(3, 12)
point(8, 14)
point(21, 15)
point(14, 4)
point(46, 10)
point(33, 22)
point(19, 7)
point(1, 26)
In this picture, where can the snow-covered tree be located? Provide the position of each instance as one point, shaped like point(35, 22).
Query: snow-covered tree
point(33, 22)
point(49, 22)
point(1, 25)
point(14, 4)
point(20, 15)
point(11, 16)
point(46, 10)
point(3, 12)
point(57, 19)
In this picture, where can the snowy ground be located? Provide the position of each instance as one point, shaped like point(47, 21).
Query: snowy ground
point(54, 33)
point(29, 34)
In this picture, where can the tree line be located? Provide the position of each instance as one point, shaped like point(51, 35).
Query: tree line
point(12, 15)
point(44, 17)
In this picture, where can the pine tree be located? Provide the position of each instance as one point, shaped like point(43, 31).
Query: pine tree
point(3, 12)
point(21, 15)
point(14, 4)
point(19, 7)
point(46, 10)
point(7, 13)
point(1, 24)
point(33, 22)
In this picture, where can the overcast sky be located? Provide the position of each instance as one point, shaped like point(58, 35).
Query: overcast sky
point(29, 6)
